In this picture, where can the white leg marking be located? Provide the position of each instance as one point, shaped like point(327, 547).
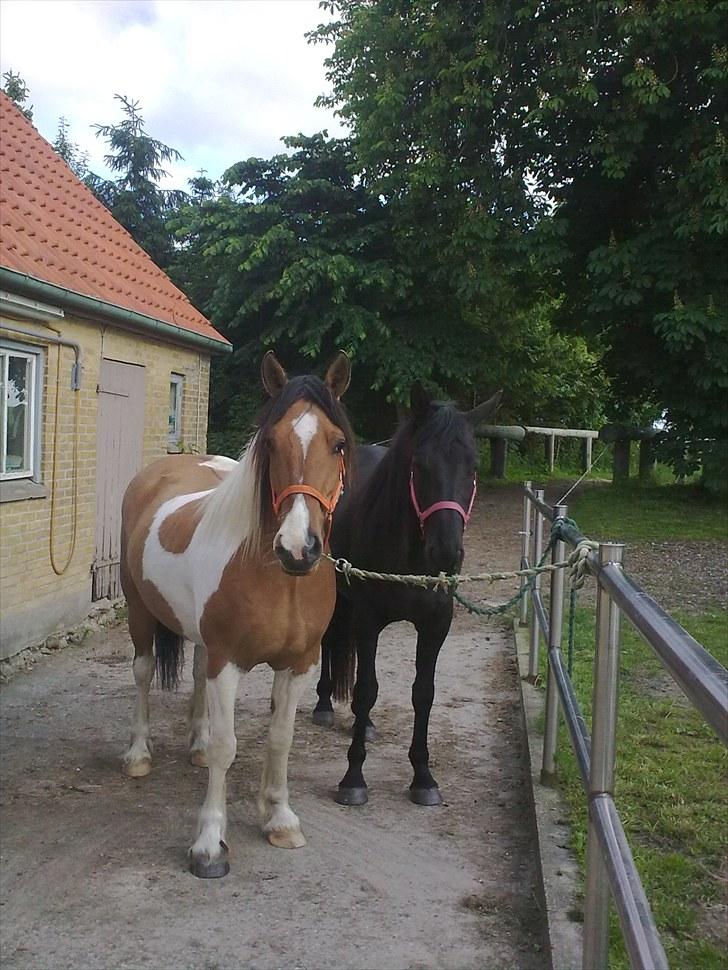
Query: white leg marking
point(199, 730)
point(279, 822)
point(221, 748)
point(138, 759)
point(293, 533)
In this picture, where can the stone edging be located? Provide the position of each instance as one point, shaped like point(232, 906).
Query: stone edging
point(102, 614)
point(560, 875)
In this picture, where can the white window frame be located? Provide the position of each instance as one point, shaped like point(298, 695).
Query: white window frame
point(34, 356)
point(174, 438)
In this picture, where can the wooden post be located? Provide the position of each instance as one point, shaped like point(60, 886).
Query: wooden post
point(586, 454)
point(498, 457)
point(550, 450)
point(620, 466)
point(647, 459)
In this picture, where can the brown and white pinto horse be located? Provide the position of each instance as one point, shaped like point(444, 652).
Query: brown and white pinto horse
point(228, 555)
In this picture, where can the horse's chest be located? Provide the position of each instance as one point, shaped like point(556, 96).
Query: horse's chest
point(269, 618)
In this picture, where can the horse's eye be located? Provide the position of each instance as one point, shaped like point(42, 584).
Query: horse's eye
point(339, 447)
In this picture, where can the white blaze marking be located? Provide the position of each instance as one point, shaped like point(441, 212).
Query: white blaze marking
point(306, 427)
point(293, 532)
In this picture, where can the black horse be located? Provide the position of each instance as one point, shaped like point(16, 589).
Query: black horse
point(406, 515)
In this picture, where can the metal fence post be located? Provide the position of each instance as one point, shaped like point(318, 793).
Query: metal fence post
point(603, 753)
point(556, 622)
point(537, 552)
point(525, 544)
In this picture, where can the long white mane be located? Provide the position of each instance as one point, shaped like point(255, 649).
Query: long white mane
point(230, 517)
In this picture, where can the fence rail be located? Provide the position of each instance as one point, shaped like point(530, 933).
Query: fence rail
point(609, 863)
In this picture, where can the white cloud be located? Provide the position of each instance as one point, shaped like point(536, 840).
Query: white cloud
point(219, 80)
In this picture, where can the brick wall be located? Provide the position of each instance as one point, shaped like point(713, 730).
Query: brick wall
point(34, 599)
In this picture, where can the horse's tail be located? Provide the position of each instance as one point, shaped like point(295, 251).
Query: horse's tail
point(169, 655)
point(340, 645)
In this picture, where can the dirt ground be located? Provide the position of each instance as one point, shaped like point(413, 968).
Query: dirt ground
point(92, 864)
point(93, 868)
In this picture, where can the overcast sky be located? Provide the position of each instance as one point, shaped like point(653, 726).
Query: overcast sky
point(219, 80)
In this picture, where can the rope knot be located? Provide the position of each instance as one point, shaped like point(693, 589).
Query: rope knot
point(578, 562)
point(344, 567)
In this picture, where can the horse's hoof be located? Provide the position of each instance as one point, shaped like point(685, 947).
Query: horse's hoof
point(323, 718)
point(425, 796)
point(138, 768)
point(198, 758)
point(205, 868)
point(286, 838)
point(352, 796)
point(370, 733)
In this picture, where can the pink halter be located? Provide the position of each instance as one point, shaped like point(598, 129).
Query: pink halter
point(436, 506)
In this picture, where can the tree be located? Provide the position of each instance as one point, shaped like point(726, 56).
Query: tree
point(17, 90)
point(288, 251)
point(135, 198)
point(69, 151)
point(580, 147)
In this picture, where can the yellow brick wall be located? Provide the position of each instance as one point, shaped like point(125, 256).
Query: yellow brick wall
point(28, 581)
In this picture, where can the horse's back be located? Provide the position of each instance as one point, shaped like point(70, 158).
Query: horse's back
point(170, 476)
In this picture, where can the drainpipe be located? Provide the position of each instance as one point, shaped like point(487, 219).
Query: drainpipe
point(47, 338)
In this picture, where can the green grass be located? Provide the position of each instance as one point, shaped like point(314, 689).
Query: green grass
point(670, 791)
point(632, 513)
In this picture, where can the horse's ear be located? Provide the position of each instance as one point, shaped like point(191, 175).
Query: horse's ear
point(482, 413)
point(338, 375)
point(272, 374)
point(420, 400)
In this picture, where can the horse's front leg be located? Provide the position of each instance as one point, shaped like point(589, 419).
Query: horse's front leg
point(353, 787)
point(199, 730)
point(208, 855)
point(430, 637)
point(279, 823)
point(323, 713)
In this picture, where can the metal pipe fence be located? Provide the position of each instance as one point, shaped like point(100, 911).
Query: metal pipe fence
point(610, 868)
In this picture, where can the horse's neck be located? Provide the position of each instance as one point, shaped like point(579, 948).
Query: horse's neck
point(230, 515)
point(391, 537)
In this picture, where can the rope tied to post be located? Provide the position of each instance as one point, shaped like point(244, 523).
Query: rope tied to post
point(576, 564)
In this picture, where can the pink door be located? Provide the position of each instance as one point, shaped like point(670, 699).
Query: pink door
point(119, 437)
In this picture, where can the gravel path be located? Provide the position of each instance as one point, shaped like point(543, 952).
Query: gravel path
point(93, 871)
point(93, 868)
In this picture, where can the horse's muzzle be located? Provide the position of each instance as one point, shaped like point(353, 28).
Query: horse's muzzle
point(310, 557)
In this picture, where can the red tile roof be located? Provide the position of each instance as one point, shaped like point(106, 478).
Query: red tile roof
point(54, 229)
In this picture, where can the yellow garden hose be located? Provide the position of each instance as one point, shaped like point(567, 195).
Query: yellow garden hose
point(74, 508)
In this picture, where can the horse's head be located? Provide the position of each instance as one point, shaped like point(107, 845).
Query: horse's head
point(307, 441)
point(442, 475)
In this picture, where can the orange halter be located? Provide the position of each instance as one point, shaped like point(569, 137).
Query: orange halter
point(327, 504)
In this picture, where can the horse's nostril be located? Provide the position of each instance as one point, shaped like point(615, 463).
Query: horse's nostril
point(312, 550)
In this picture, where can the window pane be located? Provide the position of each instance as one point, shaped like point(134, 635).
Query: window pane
point(175, 389)
point(17, 458)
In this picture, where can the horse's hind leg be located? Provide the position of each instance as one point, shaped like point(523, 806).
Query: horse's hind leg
point(280, 824)
point(199, 730)
point(137, 760)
